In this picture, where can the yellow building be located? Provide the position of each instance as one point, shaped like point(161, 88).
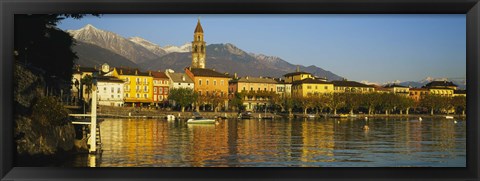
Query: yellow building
point(459, 93)
point(297, 76)
point(398, 89)
point(441, 84)
point(253, 85)
point(138, 87)
point(342, 86)
point(307, 87)
point(441, 91)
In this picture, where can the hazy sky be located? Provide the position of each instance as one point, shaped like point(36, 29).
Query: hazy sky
point(377, 48)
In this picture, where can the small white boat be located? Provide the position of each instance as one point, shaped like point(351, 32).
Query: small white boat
point(201, 121)
point(170, 117)
point(449, 117)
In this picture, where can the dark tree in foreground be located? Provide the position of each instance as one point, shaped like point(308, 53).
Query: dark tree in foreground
point(40, 44)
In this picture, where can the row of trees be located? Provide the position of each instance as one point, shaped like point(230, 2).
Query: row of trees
point(185, 97)
point(370, 103)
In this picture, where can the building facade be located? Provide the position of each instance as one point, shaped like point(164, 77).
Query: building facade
point(161, 86)
point(343, 86)
point(255, 90)
point(418, 93)
point(311, 87)
point(110, 91)
point(138, 86)
point(398, 89)
point(179, 80)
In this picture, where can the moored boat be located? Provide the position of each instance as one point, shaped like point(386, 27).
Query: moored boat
point(449, 117)
point(201, 121)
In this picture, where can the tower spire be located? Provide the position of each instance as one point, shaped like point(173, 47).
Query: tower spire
point(198, 47)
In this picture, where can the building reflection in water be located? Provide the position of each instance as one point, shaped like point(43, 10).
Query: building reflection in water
point(286, 142)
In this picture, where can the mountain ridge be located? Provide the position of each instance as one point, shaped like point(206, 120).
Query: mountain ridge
point(224, 57)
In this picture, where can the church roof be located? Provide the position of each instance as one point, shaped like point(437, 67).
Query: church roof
point(207, 73)
point(199, 28)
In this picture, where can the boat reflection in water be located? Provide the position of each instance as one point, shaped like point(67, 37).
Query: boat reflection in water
point(280, 142)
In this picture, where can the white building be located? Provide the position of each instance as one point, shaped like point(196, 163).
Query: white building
point(110, 91)
point(179, 80)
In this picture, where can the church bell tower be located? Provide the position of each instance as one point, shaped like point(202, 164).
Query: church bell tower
point(198, 47)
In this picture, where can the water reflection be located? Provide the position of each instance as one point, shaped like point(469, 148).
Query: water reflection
point(297, 142)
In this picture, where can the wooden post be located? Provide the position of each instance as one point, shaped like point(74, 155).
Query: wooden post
point(93, 125)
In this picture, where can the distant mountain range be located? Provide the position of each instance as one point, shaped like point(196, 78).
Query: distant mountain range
point(95, 47)
point(461, 83)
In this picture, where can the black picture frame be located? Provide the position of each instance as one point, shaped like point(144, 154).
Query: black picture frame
point(10, 7)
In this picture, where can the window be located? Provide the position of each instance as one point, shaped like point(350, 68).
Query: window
point(200, 93)
point(155, 90)
point(198, 38)
point(165, 90)
point(265, 89)
point(188, 84)
point(145, 88)
point(326, 87)
point(271, 89)
point(200, 82)
point(145, 95)
point(138, 88)
point(154, 81)
point(138, 80)
point(207, 93)
point(316, 87)
point(160, 90)
point(118, 90)
point(214, 82)
point(112, 96)
point(112, 90)
point(207, 81)
point(251, 88)
point(243, 88)
point(221, 93)
point(138, 95)
point(178, 83)
point(221, 82)
point(309, 87)
point(126, 95)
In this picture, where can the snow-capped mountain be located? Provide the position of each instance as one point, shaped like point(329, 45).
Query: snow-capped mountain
point(151, 56)
point(187, 47)
point(113, 42)
point(461, 83)
point(157, 50)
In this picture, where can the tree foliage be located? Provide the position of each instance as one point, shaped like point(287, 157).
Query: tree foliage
point(39, 43)
point(183, 97)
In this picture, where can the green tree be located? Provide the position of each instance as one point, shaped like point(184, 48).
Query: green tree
point(459, 103)
point(370, 101)
point(183, 97)
point(337, 101)
point(236, 101)
point(87, 82)
point(431, 102)
point(353, 101)
point(405, 103)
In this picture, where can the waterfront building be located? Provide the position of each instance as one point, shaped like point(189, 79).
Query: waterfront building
point(441, 84)
point(297, 76)
point(138, 87)
point(380, 89)
point(311, 86)
point(342, 86)
point(209, 83)
point(253, 89)
point(161, 86)
point(179, 80)
point(398, 89)
point(110, 91)
point(418, 93)
point(198, 47)
point(283, 88)
point(460, 93)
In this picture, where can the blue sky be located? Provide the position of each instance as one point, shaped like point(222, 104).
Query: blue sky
point(377, 48)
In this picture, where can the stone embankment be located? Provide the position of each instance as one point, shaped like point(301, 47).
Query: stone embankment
point(130, 112)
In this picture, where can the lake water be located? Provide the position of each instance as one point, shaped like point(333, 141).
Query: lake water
point(394, 142)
